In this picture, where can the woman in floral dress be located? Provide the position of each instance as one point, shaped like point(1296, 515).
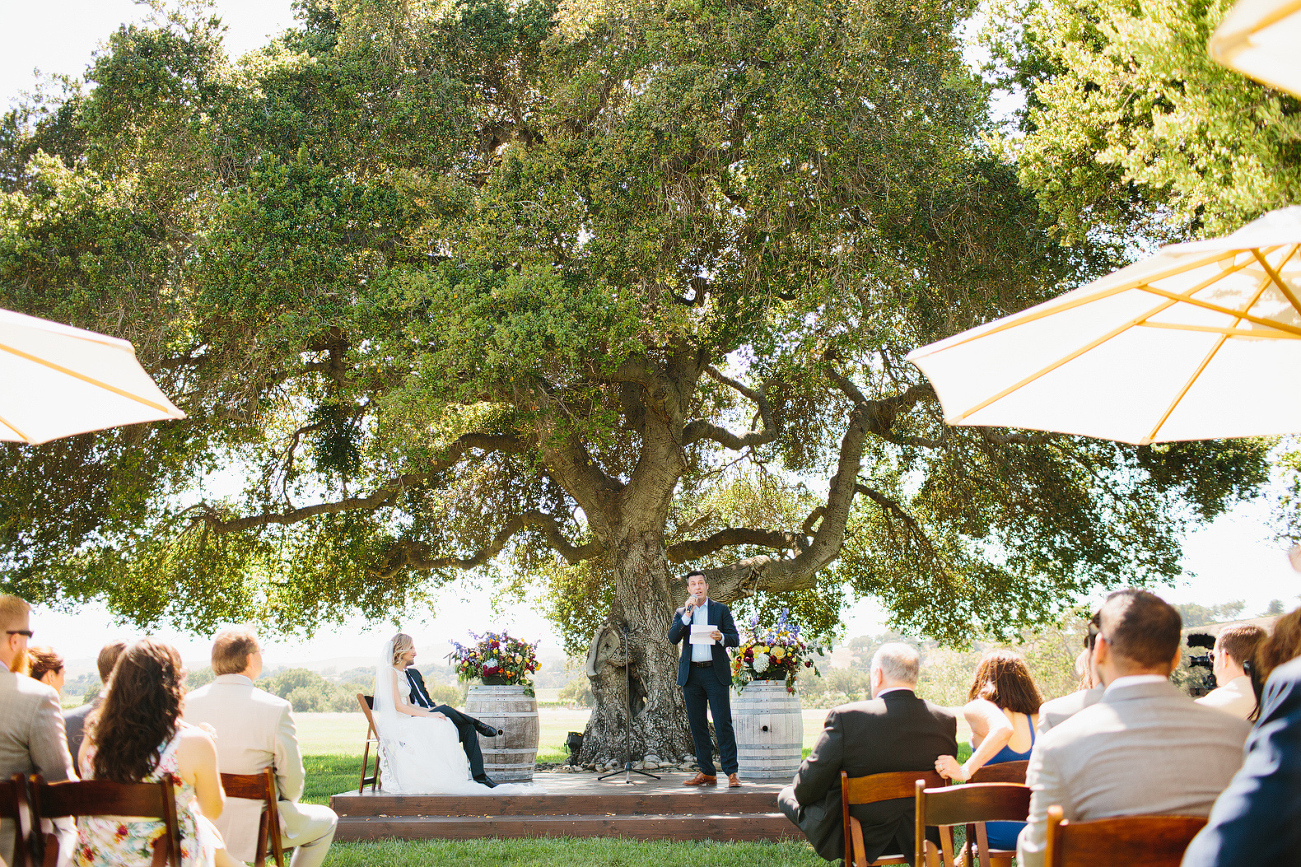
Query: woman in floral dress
point(138, 736)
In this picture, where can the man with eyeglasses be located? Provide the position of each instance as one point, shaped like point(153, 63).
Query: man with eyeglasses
point(32, 739)
point(1145, 747)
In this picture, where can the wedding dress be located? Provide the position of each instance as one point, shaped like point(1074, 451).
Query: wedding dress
point(421, 755)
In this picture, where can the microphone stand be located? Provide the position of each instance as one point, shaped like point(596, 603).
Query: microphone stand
point(628, 769)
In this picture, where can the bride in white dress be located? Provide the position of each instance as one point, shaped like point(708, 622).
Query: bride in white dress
point(420, 753)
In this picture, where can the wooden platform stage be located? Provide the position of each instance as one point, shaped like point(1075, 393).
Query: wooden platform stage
point(573, 805)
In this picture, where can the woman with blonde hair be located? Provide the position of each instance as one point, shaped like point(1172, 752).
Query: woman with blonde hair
point(1002, 710)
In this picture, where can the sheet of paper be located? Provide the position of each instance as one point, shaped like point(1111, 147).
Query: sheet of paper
point(700, 633)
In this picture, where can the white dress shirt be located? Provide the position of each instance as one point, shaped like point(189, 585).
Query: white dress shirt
point(701, 652)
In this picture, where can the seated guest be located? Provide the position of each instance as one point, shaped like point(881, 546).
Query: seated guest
point(468, 728)
point(45, 665)
point(31, 727)
point(1145, 747)
point(1258, 818)
point(75, 719)
point(1234, 646)
point(1281, 645)
point(138, 736)
point(1002, 708)
point(255, 730)
point(895, 731)
point(1058, 709)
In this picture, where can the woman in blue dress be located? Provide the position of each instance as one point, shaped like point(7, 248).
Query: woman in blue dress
point(1002, 710)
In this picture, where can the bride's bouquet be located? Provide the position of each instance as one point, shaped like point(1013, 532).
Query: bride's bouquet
point(495, 658)
point(772, 653)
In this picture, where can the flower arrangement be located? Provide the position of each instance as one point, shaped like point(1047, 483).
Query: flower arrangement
point(773, 653)
point(495, 658)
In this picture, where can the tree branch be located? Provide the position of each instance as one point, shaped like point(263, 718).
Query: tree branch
point(765, 572)
point(778, 540)
point(409, 554)
point(382, 496)
point(700, 429)
point(1015, 438)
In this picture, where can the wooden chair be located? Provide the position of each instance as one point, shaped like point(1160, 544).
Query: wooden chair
point(260, 787)
point(972, 805)
point(1153, 841)
point(870, 790)
point(13, 806)
point(367, 702)
point(1005, 772)
point(80, 798)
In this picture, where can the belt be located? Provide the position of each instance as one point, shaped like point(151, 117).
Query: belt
point(701, 664)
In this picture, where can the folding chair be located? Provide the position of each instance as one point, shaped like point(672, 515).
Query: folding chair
point(367, 702)
point(260, 787)
point(81, 798)
point(1153, 841)
point(869, 790)
point(973, 805)
point(13, 806)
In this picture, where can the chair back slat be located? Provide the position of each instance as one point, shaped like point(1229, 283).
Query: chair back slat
point(80, 798)
point(13, 806)
point(884, 787)
point(102, 798)
point(1004, 772)
point(1160, 840)
point(975, 802)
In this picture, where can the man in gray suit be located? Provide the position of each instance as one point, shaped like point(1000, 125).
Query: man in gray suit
point(895, 731)
point(31, 727)
point(255, 730)
point(75, 720)
point(1145, 747)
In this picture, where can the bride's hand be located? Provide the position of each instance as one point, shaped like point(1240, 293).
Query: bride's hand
point(438, 715)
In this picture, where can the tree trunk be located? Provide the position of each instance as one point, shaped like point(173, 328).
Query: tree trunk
point(645, 686)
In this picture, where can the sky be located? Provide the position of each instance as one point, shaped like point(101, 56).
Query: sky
point(1235, 557)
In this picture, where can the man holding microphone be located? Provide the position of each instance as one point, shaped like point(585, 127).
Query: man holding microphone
point(705, 675)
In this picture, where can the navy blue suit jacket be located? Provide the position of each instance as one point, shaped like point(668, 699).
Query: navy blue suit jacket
point(1257, 820)
point(717, 614)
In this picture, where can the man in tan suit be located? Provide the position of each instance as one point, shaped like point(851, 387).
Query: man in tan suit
point(255, 730)
point(32, 740)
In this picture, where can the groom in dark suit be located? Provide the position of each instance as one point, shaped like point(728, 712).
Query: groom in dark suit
point(895, 731)
point(705, 675)
point(466, 726)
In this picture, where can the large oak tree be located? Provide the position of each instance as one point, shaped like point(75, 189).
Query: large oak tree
point(577, 294)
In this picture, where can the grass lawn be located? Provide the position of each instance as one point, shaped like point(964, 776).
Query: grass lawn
point(584, 852)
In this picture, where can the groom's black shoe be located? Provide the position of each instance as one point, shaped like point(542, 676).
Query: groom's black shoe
point(485, 780)
point(486, 730)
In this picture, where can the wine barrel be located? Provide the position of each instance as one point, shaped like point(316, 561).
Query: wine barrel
point(769, 731)
point(511, 756)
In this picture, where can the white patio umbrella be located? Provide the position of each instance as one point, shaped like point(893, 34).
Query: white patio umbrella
point(1200, 341)
point(56, 381)
point(1260, 39)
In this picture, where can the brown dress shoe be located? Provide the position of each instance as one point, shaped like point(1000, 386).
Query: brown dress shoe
point(733, 782)
point(702, 780)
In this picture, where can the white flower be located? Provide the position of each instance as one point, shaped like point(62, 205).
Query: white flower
point(761, 664)
point(490, 662)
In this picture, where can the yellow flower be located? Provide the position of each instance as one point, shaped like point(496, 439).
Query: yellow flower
point(778, 652)
point(762, 648)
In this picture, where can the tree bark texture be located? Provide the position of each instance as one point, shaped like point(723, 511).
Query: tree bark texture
point(634, 676)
